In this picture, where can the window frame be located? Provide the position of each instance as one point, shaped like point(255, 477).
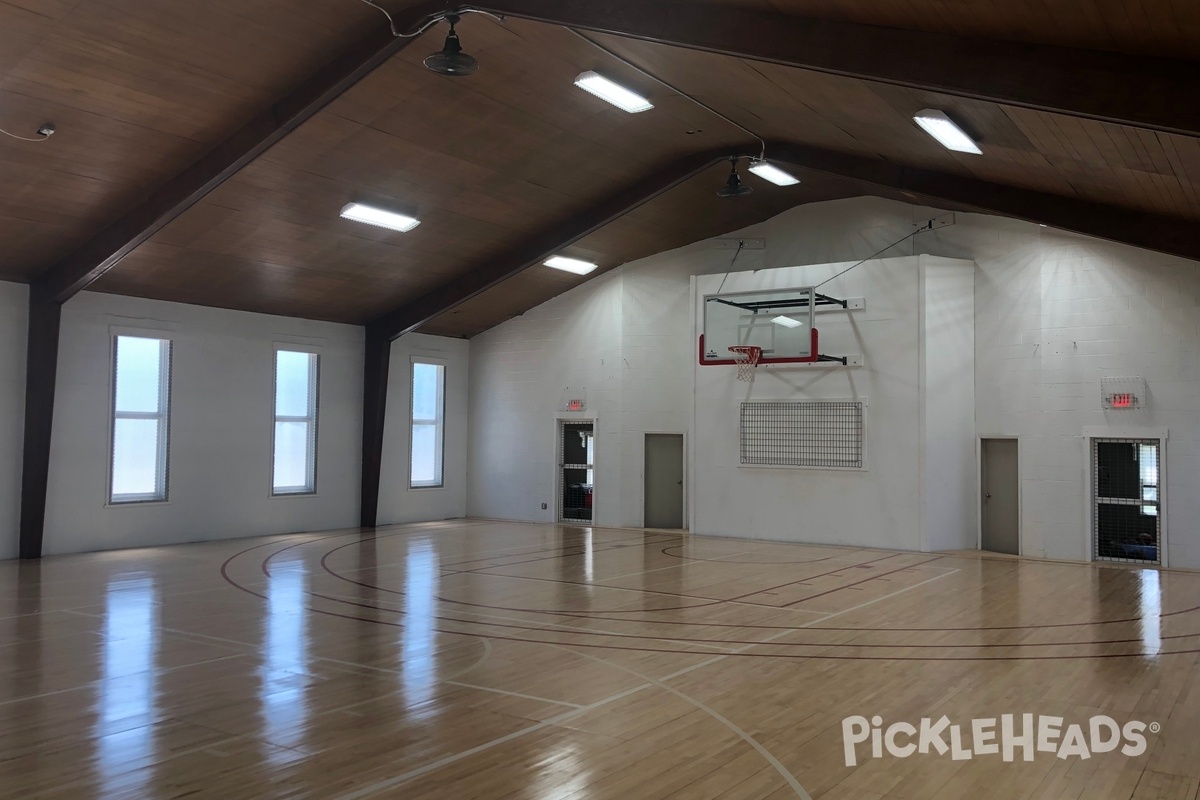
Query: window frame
point(162, 466)
point(439, 423)
point(313, 419)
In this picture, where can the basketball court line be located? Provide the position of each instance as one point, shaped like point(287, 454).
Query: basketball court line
point(783, 771)
point(858, 583)
point(98, 681)
point(452, 759)
point(657, 569)
point(763, 655)
point(818, 575)
point(433, 766)
point(486, 553)
point(511, 694)
point(533, 624)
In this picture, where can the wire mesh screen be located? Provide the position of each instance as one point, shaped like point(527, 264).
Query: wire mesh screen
point(817, 433)
point(1126, 476)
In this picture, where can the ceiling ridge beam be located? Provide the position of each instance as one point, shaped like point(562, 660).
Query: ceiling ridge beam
point(79, 269)
point(493, 271)
point(1139, 91)
point(1163, 234)
point(1172, 235)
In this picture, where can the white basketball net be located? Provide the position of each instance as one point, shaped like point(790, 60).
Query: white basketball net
point(747, 357)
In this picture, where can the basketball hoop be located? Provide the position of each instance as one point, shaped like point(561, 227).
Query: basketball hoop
point(746, 357)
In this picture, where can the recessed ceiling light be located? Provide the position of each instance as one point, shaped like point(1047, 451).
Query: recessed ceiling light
point(942, 128)
point(613, 93)
point(769, 172)
point(787, 322)
point(379, 218)
point(571, 265)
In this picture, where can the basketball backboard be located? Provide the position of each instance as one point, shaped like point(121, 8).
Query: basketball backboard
point(780, 321)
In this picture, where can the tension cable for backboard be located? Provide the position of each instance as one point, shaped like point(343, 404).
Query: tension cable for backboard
point(928, 226)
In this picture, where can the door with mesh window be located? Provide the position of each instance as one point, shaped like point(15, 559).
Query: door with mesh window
point(577, 453)
point(1126, 486)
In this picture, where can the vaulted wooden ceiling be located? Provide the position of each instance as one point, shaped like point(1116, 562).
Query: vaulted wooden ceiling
point(139, 89)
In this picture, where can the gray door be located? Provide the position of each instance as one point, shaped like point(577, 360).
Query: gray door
point(1001, 531)
point(664, 480)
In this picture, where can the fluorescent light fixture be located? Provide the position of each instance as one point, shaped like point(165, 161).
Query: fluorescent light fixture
point(379, 218)
point(942, 128)
point(769, 172)
point(571, 265)
point(613, 93)
point(787, 322)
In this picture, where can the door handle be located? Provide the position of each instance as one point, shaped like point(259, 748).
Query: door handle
point(987, 494)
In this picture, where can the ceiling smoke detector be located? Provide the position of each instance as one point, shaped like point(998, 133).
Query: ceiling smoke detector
point(733, 184)
point(451, 60)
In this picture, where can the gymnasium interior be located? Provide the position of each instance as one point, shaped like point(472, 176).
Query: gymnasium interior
point(581, 400)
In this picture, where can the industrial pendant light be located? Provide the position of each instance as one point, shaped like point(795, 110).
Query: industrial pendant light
point(733, 184)
point(451, 60)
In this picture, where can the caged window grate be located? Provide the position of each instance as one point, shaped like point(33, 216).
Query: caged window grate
point(818, 433)
point(1126, 525)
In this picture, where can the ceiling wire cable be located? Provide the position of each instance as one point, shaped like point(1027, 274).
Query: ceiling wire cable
point(41, 138)
point(392, 22)
point(432, 22)
point(729, 269)
point(762, 152)
point(928, 226)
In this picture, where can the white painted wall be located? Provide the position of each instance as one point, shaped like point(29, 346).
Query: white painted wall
point(909, 494)
point(1054, 312)
point(221, 422)
point(397, 502)
point(14, 320)
point(947, 388)
point(516, 392)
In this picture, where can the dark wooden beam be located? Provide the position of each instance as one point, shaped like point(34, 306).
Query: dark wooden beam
point(1150, 231)
point(41, 372)
point(177, 195)
point(1141, 91)
point(375, 388)
point(563, 234)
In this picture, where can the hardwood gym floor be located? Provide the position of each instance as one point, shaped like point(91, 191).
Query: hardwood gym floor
point(474, 659)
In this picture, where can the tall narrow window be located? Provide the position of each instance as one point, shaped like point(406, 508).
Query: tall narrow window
point(141, 419)
point(428, 424)
point(295, 462)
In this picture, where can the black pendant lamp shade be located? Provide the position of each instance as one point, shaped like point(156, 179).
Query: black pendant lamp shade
point(451, 60)
point(733, 184)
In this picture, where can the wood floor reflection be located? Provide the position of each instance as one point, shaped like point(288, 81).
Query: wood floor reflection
point(476, 659)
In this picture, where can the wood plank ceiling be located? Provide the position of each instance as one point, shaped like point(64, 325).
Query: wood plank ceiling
point(140, 89)
point(1139, 27)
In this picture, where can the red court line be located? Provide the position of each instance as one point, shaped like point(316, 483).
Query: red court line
point(864, 580)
